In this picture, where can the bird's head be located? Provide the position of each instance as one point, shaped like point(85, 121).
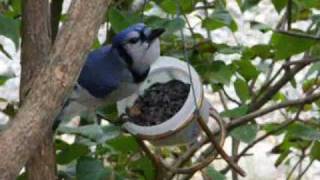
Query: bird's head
point(139, 46)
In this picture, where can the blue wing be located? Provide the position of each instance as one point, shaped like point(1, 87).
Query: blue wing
point(101, 73)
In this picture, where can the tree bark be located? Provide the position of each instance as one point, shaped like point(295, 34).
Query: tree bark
point(36, 43)
point(42, 164)
point(55, 81)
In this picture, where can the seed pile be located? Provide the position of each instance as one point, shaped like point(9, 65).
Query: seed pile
point(159, 103)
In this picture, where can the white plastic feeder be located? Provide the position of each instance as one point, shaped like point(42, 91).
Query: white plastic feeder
point(182, 127)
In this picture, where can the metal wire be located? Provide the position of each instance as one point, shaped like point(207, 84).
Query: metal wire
point(143, 8)
point(185, 54)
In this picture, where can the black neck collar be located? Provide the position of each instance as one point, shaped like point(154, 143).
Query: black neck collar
point(137, 76)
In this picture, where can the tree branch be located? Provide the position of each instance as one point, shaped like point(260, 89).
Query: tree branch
point(35, 48)
point(299, 35)
point(48, 92)
point(36, 42)
point(289, 14)
point(251, 116)
point(295, 166)
point(305, 169)
point(219, 149)
point(277, 86)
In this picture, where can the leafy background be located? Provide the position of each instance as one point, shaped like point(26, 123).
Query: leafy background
point(235, 48)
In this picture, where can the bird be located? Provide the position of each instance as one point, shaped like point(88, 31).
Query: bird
point(113, 72)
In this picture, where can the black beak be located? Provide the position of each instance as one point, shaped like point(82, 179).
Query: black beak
point(155, 33)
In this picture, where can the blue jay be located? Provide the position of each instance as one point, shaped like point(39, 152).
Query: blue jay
point(115, 71)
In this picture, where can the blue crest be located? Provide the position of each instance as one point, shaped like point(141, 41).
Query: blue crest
point(121, 36)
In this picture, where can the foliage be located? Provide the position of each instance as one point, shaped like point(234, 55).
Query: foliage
point(101, 152)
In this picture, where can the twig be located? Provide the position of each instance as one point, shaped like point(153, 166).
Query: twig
point(299, 35)
point(186, 156)
point(205, 175)
point(249, 117)
point(252, 86)
point(230, 98)
point(189, 27)
point(219, 149)
point(295, 166)
point(288, 15)
point(269, 81)
point(234, 151)
point(152, 157)
point(223, 101)
point(284, 125)
point(202, 163)
point(208, 6)
point(277, 86)
point(302, 61)
point(289, 74)
point(305, 170)
point(282, 21)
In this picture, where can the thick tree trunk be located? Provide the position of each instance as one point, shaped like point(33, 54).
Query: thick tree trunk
point(49, 89)
point(42, 164)
point(36, 44)
point(36, 41)
point(35, 33)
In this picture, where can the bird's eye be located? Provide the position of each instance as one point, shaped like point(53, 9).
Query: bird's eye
point(133, 40)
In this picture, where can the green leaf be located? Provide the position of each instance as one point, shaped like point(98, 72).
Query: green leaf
point(287, 45)
point(145, 166)
point(315, 51)
point(282, 157)
point(236, 112)
point(10, 110)
point(214, 174)
point(124, 144)
point(303, 131)
point(91, 169)
point(93, 132)
point(242, 90)
point(71, 152)
point(109, 112)
point(171, 26)
point(119, 21)
point(3, 79)
point(216, 72)
point(22, 176)
point(246, 69)
point(247, 4)
point(315, 151)
point(225, 49)
point(261, 50)
point(218, 19)
point(310, 3)
point(279, 4)
point(174, 25)
point(245, 133)
point(169, 6)
point(10, 28)
point(272, 126)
